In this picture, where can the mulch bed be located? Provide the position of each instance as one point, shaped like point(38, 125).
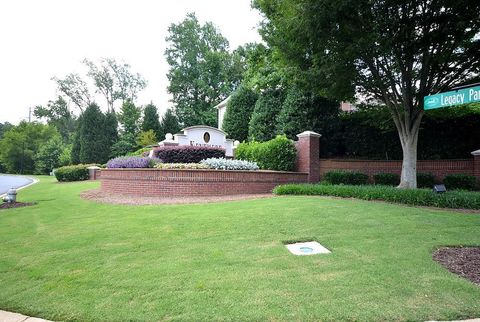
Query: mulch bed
point(8, 205)
point(102, 197)
point(463, 261)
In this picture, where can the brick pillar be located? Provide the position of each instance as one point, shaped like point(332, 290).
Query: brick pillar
point(476, 164)
point(308, 159)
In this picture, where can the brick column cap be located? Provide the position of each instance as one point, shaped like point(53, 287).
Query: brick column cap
point(310, 133)
point(476, 153)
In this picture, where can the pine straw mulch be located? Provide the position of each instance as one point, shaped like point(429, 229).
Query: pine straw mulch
point(8, 205)
point(103, 197)
point(463, 261)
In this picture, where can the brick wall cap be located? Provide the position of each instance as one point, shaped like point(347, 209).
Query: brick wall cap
point(476, 152)
point(205, 170)
point(93, 167)
point(308, 133)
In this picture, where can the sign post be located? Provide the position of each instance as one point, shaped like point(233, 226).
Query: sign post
point(452, 98)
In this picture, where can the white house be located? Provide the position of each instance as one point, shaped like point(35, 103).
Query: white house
point(222, 108)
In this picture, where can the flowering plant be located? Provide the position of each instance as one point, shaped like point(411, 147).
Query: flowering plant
point(227, 164)
point(131, 162)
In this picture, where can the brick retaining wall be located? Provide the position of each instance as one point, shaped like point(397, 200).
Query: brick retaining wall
point(439, 168)
point(164, 183)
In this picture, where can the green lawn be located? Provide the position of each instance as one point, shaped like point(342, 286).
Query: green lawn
point(69, 259)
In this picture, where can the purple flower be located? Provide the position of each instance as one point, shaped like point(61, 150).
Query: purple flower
point(131, 162)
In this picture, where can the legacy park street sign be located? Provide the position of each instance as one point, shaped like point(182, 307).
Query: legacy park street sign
point(458, 97)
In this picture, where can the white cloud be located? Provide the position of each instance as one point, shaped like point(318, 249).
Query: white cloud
point(41, 39)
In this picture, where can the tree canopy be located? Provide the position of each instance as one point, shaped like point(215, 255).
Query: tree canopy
point(392, 52)
point(201, 72)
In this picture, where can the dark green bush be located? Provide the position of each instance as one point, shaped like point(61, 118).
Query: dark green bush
point(386, 179)
point(425, 180)
point(460, 181)
point(346, 177)
point(187, 153)
point(415, 197)
point(77, 172)
point(277, 154)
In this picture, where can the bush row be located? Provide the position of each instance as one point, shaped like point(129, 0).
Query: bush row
point(187, 153)
point(277, 154)
point(424, 180)
point(77, 172)
point(414, 197)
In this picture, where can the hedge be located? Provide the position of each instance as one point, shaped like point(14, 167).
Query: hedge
point(77, 172)
point(277, 154)
point(386, 179)
point(345, 177)
point(425, 180)
point(187, 153)
point(414, 197)
point(460, 181)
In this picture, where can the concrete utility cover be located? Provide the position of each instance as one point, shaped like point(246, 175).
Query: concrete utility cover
point(307, 248)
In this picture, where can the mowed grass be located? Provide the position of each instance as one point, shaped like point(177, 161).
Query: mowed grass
point(70, 259)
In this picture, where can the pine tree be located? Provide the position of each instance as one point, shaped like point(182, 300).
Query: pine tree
point(93, 147)
point(129, 118)
point(169, 124)
point(76, 146)
point(151, 121)
point(239, 111)
point(262, 126)
point(110, 130)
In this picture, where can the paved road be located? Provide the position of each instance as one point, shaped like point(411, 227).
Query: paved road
point(9, 181)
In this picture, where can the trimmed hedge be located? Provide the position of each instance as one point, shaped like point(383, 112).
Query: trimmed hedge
point(277, 154)
point(77, 172)
point(414, 197)
point(386, 179)
point(345, 177)
point(460, 181)
point(425, 180)
point(187, 153)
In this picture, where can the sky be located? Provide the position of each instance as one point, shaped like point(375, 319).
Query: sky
point(42, 39)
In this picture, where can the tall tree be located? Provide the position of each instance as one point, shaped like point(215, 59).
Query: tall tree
point(48, 156)
point(76, 89)
point(93, 148)
point(21, 143)
point(110, 130)
point(115, 80)
point(395, 52)
point(59, 115)
point(200, 71)
point(169, 124)
point(129, 118)
point(151, 120)
point(262, 125)
point(239, 111)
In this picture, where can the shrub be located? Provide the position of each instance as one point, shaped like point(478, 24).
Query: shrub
point(460, 181)
point(143, 152)
point(77, 172)
point(225, 164)
point(346, 177)
point(131, 162)
point(187, 153)
point(425, 180)
point(386, 179)
point(187, 166)
point(277, 154)
point(415, 197)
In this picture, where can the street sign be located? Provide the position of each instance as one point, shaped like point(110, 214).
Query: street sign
point(458, 97)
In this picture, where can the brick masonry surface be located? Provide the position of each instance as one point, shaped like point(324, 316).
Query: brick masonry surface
point(439, 168)
point(165, 183)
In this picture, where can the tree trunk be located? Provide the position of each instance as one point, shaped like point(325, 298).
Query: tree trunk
point(408, 178)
